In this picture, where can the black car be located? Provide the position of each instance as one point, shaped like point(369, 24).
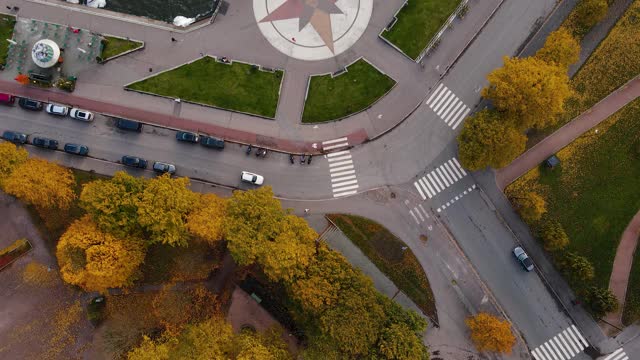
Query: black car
point(76, 149)
point(212, 142)
point(15, 137)
point(187, 136)
point(30, 104)
point(45, 143)
point(128, 125)
point(134, 161)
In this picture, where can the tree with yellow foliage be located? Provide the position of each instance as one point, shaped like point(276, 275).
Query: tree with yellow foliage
point(206, 220)
point(163, 207)
point(175, 308)
point(42, 184)
point(95, 260)
point(398, 342)
point(530, 91)
point(113, 203)
point(11, 157)
point(488, 140)
point(560, 48)
point(529, 205)
point(258, 230)
point(588, 13)
point(489, 333)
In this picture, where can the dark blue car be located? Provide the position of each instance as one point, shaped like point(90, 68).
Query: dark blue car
point(134, 161)
point(76, 149)
point(15, 137)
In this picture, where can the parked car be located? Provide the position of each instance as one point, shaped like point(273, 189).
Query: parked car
point(252, 178)
point(187, 136)
point(134, 161)
point(7, 99)
point(30, 104)
point(14, 137)
point(212, 142)
point(55, 109)
point(45, 143)
point(164, 168)
point(82, 115)
point(76, 149)
point(128, 125)
point(523, 258)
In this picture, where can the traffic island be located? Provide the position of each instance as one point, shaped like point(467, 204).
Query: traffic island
point(112, 47)
point(344, 93)
point(224, 84)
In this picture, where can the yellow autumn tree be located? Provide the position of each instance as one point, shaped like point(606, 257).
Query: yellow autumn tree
point(95, 260)
point(11, 157)
point(560, 48)
point(206, 220)
point(528, 204)
point(42, 184)
point(530, 91)
point(258, 230)
point(163, 207)
point(488, 140)
point(398, 342)
point(490, 333)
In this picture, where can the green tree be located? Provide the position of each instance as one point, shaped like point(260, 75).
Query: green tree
point(398, 342)
point(95, 260)
point(206, 220)
point(113, 203)
point(258, 230)
point(11, 157)
point(163, 207)
point(490, 333)
point(552, 234)
point(529, 205)
point(560, 48)
point(529, 91)
point(576, 268)
point(487, 140)
point(590, 12)
point(42, 184)
point(601, 301)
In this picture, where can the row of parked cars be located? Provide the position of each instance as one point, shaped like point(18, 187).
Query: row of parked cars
point(45, 143)
point(53, 109)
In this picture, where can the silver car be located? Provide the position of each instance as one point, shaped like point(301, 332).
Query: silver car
point(523, 258)
point(82, 115)
point(164, 168)
point(55, 109)
point(252, 178)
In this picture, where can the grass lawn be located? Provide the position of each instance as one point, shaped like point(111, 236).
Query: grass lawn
point(611, 65)
point(239, 87)
point(595, 193)
point(113, 46)
point(7, 22)
point(165, 263)
point(417, 23)
point(385, 250)
point(334, 98)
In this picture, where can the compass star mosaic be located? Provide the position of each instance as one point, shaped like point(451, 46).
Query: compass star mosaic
point(312, 29)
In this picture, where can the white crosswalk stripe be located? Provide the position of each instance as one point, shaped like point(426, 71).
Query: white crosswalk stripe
point(448, 106)
point(341, 170)
point(439, 179)
point(419, 214)
point(617, 355)
point(565, 345)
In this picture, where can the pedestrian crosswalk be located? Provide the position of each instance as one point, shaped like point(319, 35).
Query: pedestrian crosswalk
point(456, 198)
point(439, 179)
point(565, 345)
point(617, 355)
point(343, 174)
point(335, 144)
point(419, 214)
point(448, 106)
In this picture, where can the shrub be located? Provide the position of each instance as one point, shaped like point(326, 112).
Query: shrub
point(576, 268)
point(590, 12)
point(600, 301)
point(552, 234)
point(490, 333)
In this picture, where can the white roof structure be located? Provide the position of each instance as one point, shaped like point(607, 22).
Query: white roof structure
point(45, 53)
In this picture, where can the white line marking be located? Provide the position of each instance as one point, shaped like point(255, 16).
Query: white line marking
point(335, 146)
point(453, 112)
point(437, 99)
point(338, 153)
point(351, 187)
point(544, 351)
point(451, 172)
point(424, 211)
point(434, 183)
point(347, 193)
point(430, 194)
point(453, 105)
point(455, 169)
point(564, 352)
point(444, 171)
point(443, 178)
point(342, 173)
point(442, 101)
point(343, 178)
point(446, 104)
point(586, 344)
point(346, 157)
point(334, 141)
point(551, 351)
point(414, 217)
point(455, 116)
point(435, 92)
point(575, 348)
point(419, 190)
point(575, 339)
point(613, 354)
point(424, 182)
point(348, 182)
point(566, 345)
point(537, 355)
point(348, 162)
point(419, 214)
point(461, 118)
point(459, 166)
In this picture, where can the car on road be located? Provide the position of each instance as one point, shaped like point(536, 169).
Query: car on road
point(252, 178)
point(7, 99)
point(523, 258)
point(134, 161)
point(82, 115)
point(55, 109)
point(164, 168)
point(45, 143)
point(212, 142)
point(30, 104)
point(128, 125)
point(76, 149)
point(14, 137)
point(187, 136)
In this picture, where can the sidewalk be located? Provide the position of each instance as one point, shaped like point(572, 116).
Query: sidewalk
point(566, 134)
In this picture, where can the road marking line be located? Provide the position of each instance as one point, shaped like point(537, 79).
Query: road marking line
point(459, 166)
point(555, 341)
point(444, 170)
point(613, 354)
point(453, 105)
point(344, 178)
point(566, 345)
point(586, 344)
point(430, 194)
point(537, 355)
point(455, 169)
point(434, 93)
point(453, 118)
point(453, 112)
point(351, 187)
point(419, 214)
point(342, 173)
point(443, 178)
point(423, 210)
point(575, 339)
point(345, 194)
point(334, 146)
point(419, 190)
point(347, 162)
point(551, 351)
point(442, 101)
point(434, 183)
point(338, 153)
point(446, 105)
point(334, 141)
point(544, 351)
point(573, 346)
point(425, 184)
point(451, 172)
point(414, 217)
point(437, 99)
point(461, 118)
point(348, 182)
point(346, 157)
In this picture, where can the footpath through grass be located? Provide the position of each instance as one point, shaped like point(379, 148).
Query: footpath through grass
point(595, 193)
point(112, 46)
point(385, 250)
point(417, 23)
point(331, 98)
point(7, 23)
point(239, 87)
